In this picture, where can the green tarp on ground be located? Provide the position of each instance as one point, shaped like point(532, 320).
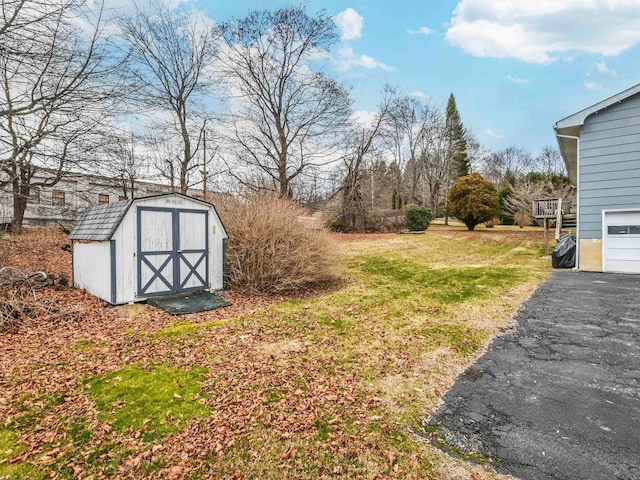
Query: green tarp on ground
point(191, 302)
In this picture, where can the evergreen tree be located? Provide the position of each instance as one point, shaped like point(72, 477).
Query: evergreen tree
point(460, 164)
point(473, 200)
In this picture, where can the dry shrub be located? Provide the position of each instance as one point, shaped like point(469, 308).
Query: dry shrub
point(523, 220)
point(270, 249)
point(492, 223)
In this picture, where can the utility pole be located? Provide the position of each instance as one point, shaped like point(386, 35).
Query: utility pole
point(204, 162)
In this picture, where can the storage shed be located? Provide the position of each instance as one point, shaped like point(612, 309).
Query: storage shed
point(159, 245)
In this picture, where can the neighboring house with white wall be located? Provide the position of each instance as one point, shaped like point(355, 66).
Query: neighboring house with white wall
point(601, 149)
point(71, 196)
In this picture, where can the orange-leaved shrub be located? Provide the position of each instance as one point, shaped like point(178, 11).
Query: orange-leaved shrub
point(270, 249)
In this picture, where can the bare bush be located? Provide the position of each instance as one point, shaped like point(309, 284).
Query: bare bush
point(523, 220)
point(270, 249)
point(18, 299)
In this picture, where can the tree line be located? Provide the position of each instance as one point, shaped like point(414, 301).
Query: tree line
point(243, 105)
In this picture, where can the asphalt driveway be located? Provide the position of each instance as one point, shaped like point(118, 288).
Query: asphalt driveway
point(557, 397)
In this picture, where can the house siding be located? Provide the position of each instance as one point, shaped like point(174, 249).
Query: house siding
point(609, 164)
point(81, 192)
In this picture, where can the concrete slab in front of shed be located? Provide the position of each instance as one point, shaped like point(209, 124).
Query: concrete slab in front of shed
point(191, 302)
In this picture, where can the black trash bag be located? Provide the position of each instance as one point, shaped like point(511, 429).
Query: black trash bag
point(564, 255)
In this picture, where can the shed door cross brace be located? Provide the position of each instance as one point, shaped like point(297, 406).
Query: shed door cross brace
point(157, 272)
point(176, 279)
point(193, 269)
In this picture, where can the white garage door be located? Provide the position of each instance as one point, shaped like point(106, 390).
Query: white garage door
point(622, 242)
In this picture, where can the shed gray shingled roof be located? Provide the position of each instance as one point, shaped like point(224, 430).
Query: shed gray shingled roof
point(100, 222)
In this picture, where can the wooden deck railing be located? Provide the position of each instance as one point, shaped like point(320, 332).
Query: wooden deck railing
point(547, 208)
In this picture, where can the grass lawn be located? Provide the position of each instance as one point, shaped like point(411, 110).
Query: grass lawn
point(330, 386)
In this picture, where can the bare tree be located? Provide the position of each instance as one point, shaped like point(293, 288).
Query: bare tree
point(21, 23)
point(171, 54)
point(408, 119)
point(394, 136)
point(549, 162)
point(122, 162)
point(435, 160)
point(164, 156)
point(360, 143)
point(55, 93)
point(507, 166)
point(285, 118)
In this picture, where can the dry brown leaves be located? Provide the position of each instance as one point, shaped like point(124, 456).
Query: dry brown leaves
point(41, 359)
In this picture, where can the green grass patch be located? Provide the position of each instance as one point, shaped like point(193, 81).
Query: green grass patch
point(324, 429)
point(11, 447)
point(339, 322)
point(160, 400)
point(461, 338)
point(447, 285)
point(33, 409)
point(84, 346)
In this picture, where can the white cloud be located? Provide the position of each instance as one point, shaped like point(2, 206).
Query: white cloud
point(364, 117)
point(421, 30)
point(349, 23)
point(537, 32)
point(517, 79)
point(592, 85)
point(420, 95)
point(492, 134)
point(602, 68)
point(347, 60)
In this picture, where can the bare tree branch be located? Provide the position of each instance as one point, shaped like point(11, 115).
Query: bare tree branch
point(170, 55)
point(285, 117)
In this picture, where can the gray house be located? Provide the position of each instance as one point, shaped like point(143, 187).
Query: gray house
point(601, 149)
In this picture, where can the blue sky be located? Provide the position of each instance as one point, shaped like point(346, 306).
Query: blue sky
point(515, 67)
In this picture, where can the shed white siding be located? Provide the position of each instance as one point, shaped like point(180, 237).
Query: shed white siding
point(126, 263)
point(95, 273)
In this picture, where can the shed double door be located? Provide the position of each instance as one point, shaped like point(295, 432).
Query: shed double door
point(173, 250)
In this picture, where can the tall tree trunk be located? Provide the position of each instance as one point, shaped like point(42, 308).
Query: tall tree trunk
point(283, 180)
point(434, 196)
point(19, 205)
point(284, 183)
point(186, 154)
point(184, 166)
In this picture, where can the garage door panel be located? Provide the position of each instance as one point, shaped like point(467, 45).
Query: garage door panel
point(623, 266)
point(629, 254)
point(622, 242)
